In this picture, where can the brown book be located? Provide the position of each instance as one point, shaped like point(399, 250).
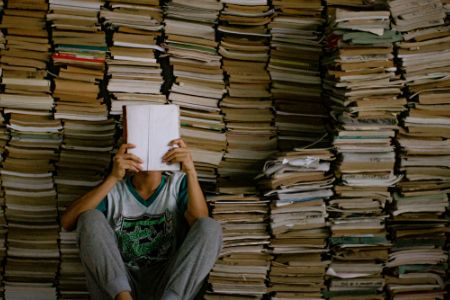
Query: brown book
point(69, 86)
point(20, 61)
point(191, 40)
point(132, 52)
point(28, 5)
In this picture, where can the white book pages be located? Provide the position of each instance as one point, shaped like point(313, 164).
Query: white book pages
point(151, 128)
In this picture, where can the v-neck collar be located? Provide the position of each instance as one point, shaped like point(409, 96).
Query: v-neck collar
point(138, 197)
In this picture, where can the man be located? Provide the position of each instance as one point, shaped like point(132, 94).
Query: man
point(145, 236)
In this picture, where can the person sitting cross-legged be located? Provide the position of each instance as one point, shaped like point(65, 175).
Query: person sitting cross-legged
point(146, 235)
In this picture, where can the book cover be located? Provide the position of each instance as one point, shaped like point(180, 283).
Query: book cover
point(151, 128)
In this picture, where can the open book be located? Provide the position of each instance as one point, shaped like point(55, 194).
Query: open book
point(151, 128)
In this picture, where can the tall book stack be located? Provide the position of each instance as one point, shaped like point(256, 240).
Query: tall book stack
point(241, 270)
point(363, 92)
point(419, 219)
point(83, 160)
point(4, 137)
point(199, 81)
point(135, 76)
point(245, 48)
point(79, 57)
point(79, 61)
point(84, 157)
point(27, 172)
point(298, 183)
point(31, 208)
point(296, 50)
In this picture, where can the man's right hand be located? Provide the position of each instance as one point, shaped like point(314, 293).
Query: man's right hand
point(124, 161)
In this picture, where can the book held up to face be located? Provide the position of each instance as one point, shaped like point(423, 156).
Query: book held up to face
point(151, 128)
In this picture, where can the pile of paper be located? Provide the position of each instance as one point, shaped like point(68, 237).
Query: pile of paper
point(298, 183)
point(241, 269)
point(418, 262)
point(419, 219)
point(364, 93)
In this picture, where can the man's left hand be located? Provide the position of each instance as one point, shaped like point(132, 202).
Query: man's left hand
point(180, 154)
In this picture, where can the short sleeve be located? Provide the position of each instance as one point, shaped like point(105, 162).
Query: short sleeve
point(182, 200)
point(103, 206)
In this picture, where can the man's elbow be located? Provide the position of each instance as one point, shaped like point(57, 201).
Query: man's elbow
point(67, 222)
point(193, 217)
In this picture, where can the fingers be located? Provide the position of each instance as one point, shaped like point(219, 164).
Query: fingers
point(127, 161)
point(131, 166)
point(129, 156)
point(178, 142)
point(128, 164)
point(124, 147)
point(177, 155)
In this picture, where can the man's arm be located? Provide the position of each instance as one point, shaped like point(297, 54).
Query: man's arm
point(122, 162)
point(197, 207)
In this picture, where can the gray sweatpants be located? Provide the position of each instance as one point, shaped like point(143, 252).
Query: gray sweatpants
point(180, 278)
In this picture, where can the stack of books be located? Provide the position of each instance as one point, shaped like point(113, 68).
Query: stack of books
point(358, 242)
point(4, 137)
point(80, 49)
point(363, 91)
point(417, 265)
point(79, 60)
point(419, 223)
point(135, 76)
point(199, 84)
point(3, 141)
point(85, 155)
point(241, 269)
point(79, 56)
point(31, 206)
point(245, 48)
point(423, 39)
point(27, 179)
point(298, 183)
point(296, 50)
point(24, 58)
point(84, 158)
point(425, 138)
point(14, 292)
point(71, 280)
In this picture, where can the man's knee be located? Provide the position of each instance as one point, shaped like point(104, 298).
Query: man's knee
point(89, 220)
point(209, 229)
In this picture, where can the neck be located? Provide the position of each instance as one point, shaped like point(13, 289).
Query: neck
point(146, 183)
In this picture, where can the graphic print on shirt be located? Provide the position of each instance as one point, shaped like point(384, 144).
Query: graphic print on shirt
point(147, 238)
